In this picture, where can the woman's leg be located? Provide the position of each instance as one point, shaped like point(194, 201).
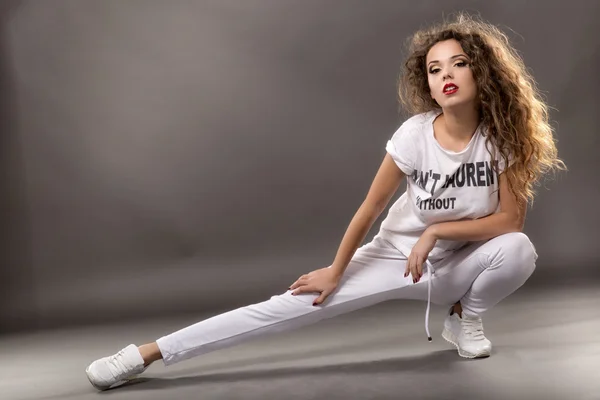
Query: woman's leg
point(510, 262)
point(482, 273)
point(498, 267)
point(374, 274)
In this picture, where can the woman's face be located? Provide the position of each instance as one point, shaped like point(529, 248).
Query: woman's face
point(449, 75)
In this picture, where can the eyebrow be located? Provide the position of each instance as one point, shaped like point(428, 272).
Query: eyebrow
point(453, 57)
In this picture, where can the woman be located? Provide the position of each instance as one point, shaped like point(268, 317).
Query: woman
point(477, 143)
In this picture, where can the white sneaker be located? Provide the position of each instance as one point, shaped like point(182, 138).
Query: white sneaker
point(109, 372)
point(467, 335)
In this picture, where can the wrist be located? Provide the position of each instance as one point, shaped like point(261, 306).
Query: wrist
point(336, 271)
point(432, 232)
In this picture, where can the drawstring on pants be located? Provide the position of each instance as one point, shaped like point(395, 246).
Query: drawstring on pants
point(429, 273)
point(406, 251)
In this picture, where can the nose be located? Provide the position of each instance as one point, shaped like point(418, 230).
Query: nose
point(447, 75)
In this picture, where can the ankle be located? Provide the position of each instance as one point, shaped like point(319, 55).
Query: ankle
point(150, 353)
point(457, 309)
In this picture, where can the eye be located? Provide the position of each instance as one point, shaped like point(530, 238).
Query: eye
point(434, 70)
point(461, 64)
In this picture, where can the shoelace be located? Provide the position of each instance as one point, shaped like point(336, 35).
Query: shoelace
point(116, 363)
point(473, 327)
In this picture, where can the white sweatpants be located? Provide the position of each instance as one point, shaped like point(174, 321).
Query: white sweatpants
point(479, 275)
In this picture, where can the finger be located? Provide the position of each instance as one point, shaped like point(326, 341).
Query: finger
point(419, 268)
point(301, 281)
point(304, 289)
point(413, 270)
point(321, 298)
point(407, 271)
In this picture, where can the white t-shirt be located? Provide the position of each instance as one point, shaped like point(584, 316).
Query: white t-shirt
point(442, 185)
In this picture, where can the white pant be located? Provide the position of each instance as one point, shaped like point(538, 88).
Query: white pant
point(479, 275)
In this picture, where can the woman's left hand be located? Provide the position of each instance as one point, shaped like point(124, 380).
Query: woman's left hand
point(419, 254)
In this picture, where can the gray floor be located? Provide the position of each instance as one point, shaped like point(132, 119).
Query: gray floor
point(546, 346)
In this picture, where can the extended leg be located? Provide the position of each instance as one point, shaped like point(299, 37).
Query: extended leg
point(375, 274)
point(371, 277)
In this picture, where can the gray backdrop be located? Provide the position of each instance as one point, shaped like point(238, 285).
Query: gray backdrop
point(181, 156)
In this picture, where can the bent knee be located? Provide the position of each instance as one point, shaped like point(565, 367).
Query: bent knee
point(517, 248)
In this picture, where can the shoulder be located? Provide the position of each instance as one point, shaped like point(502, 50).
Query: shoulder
point(409, 139)
point(413, 127)
point(423, 118)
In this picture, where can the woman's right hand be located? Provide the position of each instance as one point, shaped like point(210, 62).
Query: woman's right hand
point(323, 281)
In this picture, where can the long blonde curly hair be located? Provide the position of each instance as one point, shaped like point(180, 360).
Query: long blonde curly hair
point(511, 106)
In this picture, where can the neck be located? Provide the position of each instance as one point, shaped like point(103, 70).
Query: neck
point(461, 123)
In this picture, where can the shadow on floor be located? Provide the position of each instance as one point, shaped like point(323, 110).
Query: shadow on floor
point(438, 360)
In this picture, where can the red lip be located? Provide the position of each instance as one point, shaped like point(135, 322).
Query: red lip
point(450, 91)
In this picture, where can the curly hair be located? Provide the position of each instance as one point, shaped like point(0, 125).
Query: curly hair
point(510, 105)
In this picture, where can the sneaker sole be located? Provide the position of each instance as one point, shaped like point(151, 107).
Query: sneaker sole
point(114, 385)
point(450, 338)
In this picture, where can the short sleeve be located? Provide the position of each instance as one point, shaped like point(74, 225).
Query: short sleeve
point(502, 165)
point(497, 157)
point(401, 148)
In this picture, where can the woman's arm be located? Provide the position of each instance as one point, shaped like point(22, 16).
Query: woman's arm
point(385, 184)
point(325, 280)
point(510, 218)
